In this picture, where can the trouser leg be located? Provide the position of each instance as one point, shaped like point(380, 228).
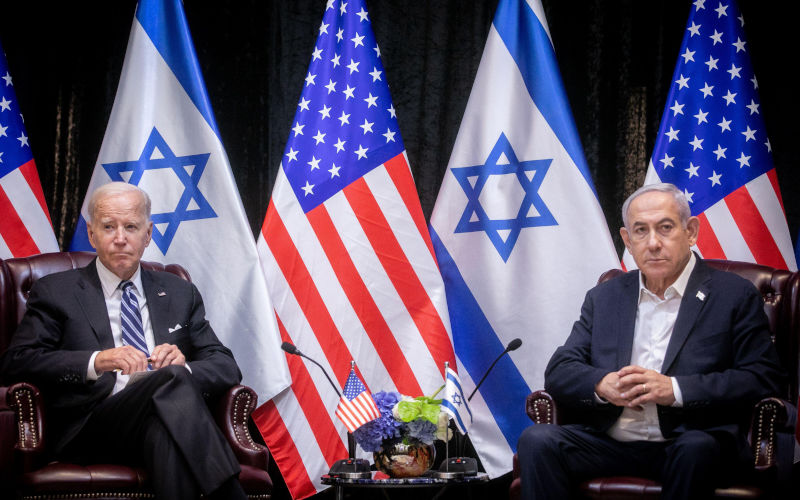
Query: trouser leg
point(553, 459)
point(691, 466)
point(118, 426)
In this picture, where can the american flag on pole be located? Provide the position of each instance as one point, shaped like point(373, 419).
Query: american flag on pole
point(713, 145)
point(25, 227)
point(346, 252)
point(356, 406)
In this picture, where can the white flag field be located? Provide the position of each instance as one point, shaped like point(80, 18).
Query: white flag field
point(162, 136)
point(518, 231)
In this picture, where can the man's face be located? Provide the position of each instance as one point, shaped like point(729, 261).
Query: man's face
point(659, 243)
point(120, 232)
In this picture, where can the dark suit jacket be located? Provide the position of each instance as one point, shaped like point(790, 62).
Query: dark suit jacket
point(66, 321)
point(720, 353)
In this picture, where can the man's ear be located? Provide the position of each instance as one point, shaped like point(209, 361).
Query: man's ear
point(149, 232)
point(90, 235)
point(625, 238)
point(693, 229)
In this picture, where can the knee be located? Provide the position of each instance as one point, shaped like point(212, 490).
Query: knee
point(697, 447)
point(172, 372)
point(538, 439)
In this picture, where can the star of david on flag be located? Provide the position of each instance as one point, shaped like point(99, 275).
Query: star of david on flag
point(532, 210)
point(188, 169)
point(162, 137)
point(712, 143)
point(517, 228)
point(454, 403)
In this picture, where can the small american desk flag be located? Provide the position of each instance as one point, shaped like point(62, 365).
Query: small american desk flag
point(713, 145)
point(356, 406)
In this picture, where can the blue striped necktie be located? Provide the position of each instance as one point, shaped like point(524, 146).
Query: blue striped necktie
point(132, 329)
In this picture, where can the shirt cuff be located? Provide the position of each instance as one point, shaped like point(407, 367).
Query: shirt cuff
point(91, 374)
point(598, 399)
point(187, 367)
point(676, 390)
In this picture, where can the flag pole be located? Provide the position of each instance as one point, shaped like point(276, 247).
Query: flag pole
point(351, 440)
point(447, 441)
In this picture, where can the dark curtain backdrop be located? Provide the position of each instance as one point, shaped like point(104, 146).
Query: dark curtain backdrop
point(616, 59)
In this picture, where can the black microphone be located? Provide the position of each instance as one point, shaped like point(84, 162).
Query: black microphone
point(512, 346)
point(352, 467)
point(291, 349)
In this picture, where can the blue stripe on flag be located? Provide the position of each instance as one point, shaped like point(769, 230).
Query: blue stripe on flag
point(457, 416)
point(451, 377)
point(473, 338)
point(80, 240)
point(160, 19)
point(530, 47)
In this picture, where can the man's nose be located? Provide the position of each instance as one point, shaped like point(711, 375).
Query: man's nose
point(653, 240)
point(119, 235)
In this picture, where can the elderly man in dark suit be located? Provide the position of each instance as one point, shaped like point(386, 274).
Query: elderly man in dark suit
point(661, 370)
point(127, 359)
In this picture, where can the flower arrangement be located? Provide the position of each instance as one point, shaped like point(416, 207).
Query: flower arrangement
point(403, 417)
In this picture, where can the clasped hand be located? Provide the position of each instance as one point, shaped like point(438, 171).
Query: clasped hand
point(633, 386)
point(128, 359)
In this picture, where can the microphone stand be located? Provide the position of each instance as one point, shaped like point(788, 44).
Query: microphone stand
point(351, 467)
point(468, 466)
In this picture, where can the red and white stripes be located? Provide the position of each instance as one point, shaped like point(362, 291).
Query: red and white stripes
point(354, 278)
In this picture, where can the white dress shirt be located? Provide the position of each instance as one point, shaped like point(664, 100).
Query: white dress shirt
point(655, 320)
point(113, 295)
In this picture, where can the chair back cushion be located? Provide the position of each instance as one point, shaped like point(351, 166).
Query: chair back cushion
point(780, 290)
point(17, 276)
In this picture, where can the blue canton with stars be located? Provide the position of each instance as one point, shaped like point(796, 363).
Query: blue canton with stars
point(345, 123)
point(156, 155)
point(475, 217)
point(712, 138)
point(14, 147)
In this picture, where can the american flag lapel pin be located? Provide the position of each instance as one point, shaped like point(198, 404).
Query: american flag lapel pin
point(701, 296)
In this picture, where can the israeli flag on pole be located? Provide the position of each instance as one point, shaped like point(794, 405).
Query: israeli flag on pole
point(162, 136)
point(518, 231)
point(454, 403)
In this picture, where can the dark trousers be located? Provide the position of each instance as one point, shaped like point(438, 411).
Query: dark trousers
point(555, 459)
point(162, 423)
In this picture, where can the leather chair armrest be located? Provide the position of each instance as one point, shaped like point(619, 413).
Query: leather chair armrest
point(232, 415)
point(770, 416)
point(26, 401)
point(541, 408)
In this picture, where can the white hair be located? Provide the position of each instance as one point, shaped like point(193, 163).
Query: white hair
point(683, 204)
point(117, 188)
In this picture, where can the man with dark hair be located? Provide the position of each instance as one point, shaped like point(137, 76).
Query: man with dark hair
point(661, 370)
point(127, 360)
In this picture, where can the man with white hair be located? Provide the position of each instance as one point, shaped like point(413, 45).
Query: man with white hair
point(127, 360)
point(660, 372)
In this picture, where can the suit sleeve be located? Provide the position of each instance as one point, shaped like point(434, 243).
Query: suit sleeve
point(39, 352)
point(570, 376)
point(213, 366)
point(750, 369)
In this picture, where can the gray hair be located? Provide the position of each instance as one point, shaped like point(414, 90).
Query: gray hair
point(117, 188)
point(680, 199)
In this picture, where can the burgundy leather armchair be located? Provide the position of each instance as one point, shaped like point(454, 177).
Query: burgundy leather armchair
point(781, 292)
point(25, 464)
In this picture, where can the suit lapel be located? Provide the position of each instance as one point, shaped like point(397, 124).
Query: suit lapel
point(89, 295)
point(694, 299)
point(626, 313)
point(157, 305)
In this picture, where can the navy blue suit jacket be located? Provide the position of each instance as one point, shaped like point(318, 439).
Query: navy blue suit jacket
point(66, 321)
point(720, 353)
